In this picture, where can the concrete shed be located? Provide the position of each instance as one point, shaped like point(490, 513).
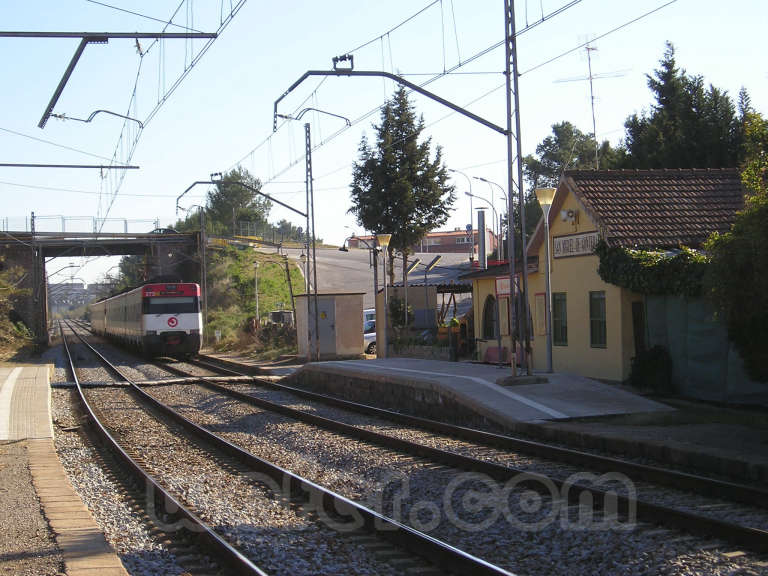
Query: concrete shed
point(339, 321)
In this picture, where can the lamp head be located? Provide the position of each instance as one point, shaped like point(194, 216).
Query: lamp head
point(545, 196)
point(383, 239)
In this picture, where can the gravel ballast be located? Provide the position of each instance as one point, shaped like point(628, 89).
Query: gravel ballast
point(123, 526)
point(366, 473)
point(27, 545)
point(413, 490)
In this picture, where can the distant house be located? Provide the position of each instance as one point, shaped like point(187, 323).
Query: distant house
point(597, 328)
point(455, 241)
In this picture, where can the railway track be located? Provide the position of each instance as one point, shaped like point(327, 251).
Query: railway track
point(603, 543)
point(695, 504)
point(404, 547)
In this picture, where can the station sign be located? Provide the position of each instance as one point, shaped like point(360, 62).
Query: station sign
point(574, 244)
point(502, 286)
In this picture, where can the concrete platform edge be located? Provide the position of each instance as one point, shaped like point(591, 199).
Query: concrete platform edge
point(544, 431)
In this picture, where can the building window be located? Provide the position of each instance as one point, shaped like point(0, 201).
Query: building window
point(597, 328)
point(559, 319)
point(489, 318)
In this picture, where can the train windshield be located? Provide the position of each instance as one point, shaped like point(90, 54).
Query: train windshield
point(171, 305)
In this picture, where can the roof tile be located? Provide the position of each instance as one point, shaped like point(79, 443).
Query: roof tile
point(660, 208)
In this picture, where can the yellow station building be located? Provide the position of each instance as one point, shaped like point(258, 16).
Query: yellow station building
point(597, 328)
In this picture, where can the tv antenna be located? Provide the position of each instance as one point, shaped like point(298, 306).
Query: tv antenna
point(592, 77)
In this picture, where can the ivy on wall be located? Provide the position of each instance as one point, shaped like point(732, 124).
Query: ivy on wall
point(649, 272)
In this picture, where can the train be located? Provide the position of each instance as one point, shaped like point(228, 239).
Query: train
point(154, 319)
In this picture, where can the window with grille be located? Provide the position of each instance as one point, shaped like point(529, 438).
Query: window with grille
point(597, 325)
point(489, 318)
point(559, 319)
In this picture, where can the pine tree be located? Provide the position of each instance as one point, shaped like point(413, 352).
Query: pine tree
point(396, 187)
point(689, 126)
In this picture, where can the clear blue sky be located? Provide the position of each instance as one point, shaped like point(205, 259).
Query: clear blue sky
point(223, 108)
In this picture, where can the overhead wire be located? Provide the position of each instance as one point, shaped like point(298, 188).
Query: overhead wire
point(51, 143)
point(543, 19)
point(168, 92)
point(451, 70)
point(119, 9)
point(611, 31)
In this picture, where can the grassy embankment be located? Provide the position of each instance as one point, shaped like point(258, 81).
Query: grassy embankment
point(231, 301)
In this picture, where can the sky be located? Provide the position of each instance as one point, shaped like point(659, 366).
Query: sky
point(220, 114)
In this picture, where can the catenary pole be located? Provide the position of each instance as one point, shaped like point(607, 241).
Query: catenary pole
point(512, 74)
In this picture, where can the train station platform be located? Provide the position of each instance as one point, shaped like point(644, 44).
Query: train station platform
point(490, 391)
point(25, 418)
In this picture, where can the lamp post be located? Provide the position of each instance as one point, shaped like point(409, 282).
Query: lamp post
point(471, 215)
point(383, 241)
point(506, 202)
point(545, 196)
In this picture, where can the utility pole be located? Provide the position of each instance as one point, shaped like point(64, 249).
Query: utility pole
point(311, 215)
point(513, 90)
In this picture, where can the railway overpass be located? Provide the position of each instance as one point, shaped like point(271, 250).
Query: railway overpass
point(166, 252)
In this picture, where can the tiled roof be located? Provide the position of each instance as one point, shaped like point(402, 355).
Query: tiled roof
point(658, 208)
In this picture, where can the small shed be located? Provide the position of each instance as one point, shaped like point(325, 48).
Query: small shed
point(339, 325)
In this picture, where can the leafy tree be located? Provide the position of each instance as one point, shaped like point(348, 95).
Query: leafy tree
point(229, 202)
point(755, 173)
point(396, 187)
point(131, 272)
point(567, 148)
point(689, 126)
point(738, 276)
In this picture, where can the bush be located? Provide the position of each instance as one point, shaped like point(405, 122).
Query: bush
point(277, 336)
point(652, 370)
point(737, 282)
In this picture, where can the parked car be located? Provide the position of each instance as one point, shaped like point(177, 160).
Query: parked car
point(369, 337)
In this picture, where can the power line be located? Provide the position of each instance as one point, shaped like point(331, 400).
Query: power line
point(117, 8)
point(366, 115)
point(55, 144)
point(583, 44)
point(234, 9)
point(403, 23)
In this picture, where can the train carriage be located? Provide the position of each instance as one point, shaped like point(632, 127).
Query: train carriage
point(157, 319)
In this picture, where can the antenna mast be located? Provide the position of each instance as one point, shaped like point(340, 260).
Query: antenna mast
point(592, 99)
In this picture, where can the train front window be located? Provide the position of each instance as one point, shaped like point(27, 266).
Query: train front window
point(171, 305)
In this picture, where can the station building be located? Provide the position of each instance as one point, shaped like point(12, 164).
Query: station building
point(597, 327)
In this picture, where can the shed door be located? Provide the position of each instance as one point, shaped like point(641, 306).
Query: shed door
point(326, 312)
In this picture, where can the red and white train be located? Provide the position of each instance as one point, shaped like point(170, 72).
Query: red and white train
point(156, 319)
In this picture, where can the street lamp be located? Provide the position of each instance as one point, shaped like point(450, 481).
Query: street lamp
point(504, 195)
point(471, 215)
point(545, 196)
point(374, 251)
point(383, 241)
point(495, 214)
